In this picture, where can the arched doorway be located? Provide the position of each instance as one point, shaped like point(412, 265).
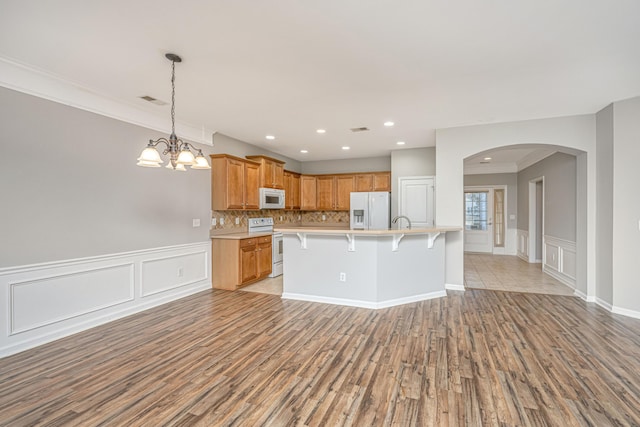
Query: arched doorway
point(517, 236)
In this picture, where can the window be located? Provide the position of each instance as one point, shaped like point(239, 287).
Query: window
point(475, 208)
point(498, 215)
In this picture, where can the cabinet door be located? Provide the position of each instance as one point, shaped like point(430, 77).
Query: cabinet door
point(382, 181)
point(288, 190)
point(267, 174)
point(251, 185)
point(308, 193)
point(325, 191)
point(264, 258)
point(248, 262)
point(235, 184)
point(295, 192)
point(364, 182)
point(345, 184)
point(278, 175)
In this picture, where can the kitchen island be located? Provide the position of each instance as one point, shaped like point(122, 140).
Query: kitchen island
point(363, 268)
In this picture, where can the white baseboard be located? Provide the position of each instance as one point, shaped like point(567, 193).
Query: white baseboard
point(374, 305)
point(48, 301)
point(602, 303)
point(453, 287)
point(626, 312)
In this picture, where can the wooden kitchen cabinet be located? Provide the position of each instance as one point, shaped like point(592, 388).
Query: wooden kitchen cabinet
point(291, 190)
point(271, 171)
point(234, 183)
point(239, 262)
point(334, 192)
point(308, 190)
point(376, 181)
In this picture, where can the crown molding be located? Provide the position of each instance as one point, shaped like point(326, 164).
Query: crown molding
point(29, 80)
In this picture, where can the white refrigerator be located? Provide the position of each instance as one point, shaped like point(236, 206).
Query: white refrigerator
point(370, 210)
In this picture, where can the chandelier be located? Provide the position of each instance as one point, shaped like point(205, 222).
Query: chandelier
point(179, 151)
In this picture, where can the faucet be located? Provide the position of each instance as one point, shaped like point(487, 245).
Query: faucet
point(394, 220)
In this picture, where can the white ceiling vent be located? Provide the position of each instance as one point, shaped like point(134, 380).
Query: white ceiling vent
point(152, 100)
point(362, 129)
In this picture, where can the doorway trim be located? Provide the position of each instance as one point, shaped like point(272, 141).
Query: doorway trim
point(533, 228)
point(509, 237)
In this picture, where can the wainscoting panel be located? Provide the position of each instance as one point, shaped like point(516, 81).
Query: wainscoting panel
point(47, 300)
point(522, 238)
point(44, 302)
point(162, 274)
point(559, 257)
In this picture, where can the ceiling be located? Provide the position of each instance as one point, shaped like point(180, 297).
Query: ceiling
point(287, 68)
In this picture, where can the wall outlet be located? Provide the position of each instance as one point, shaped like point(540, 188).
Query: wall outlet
point(280, 217)
point(343, 277)
point(180, 272)
point(196, 222)
point(221, 221)
point(213, 222)
point(237, 221)
point(324, 217)
point(299, 217)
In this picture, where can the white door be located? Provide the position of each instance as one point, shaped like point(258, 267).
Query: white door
point(478, 221)
point(416, 200)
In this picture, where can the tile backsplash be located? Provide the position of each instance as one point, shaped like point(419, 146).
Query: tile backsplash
point(279, 216)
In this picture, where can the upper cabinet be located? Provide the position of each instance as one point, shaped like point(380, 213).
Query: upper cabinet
point(375, 181)
point(308, 196)
point(234, 183)
point(334, 192)
point(291, 190)
point(271, 171)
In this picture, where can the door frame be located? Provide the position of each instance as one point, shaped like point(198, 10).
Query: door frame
point(507, 243)
point(533, 231)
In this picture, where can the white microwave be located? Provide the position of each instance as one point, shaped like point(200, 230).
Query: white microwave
point(270, 198)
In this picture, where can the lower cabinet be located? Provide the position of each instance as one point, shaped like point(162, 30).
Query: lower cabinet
point(239, 262)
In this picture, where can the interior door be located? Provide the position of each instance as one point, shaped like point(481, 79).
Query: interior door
point(478, 220)
point(417, 200)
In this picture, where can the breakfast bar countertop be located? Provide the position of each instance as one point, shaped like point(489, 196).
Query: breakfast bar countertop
point(345, 230)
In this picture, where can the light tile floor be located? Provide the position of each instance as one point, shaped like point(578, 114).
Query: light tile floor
point(509, 273)
point(270, 285)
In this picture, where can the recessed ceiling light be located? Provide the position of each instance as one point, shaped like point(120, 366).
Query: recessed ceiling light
point(400, 143)
point(304, 151)
point(346, 148)
point(388, 124)
point(270, 137)
point(487, 158)
point(321, 131)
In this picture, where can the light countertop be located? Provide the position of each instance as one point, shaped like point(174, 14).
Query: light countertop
point(346, 230)
point(238, 235)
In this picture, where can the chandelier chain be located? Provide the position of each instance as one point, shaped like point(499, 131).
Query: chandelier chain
point(173, 97)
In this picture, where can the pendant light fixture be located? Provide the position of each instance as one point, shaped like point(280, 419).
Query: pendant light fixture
point(179, 151)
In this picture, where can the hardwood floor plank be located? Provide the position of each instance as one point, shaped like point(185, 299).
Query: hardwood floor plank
point(478, 357)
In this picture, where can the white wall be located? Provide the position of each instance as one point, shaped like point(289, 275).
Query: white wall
point(626, 206)
point(410, 162)
point(455, 144)
point(604, 221)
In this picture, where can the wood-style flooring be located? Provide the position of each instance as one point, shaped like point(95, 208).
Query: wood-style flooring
point(218, 358)
point(509, 273)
